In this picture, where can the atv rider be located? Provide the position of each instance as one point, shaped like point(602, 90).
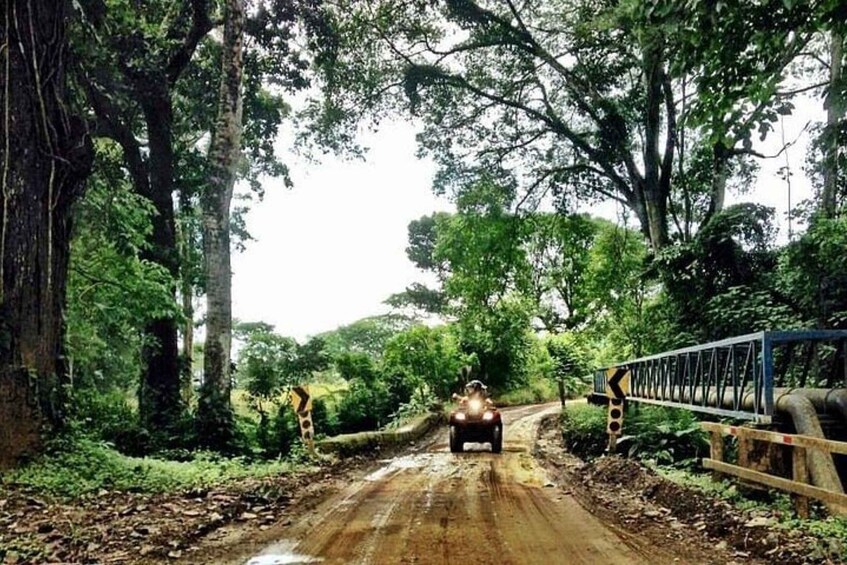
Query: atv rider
point(475, 389)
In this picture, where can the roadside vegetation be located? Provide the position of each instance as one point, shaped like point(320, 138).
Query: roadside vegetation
point(670, 442)
point(79, 467)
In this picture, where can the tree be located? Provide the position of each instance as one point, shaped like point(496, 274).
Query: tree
point(149, 74)
point(423, 356)
point(558, 254)
point(420, 251)
point(366, 405)
point(723, 283)
point(569, 364)
point(368, 335)
point(573, 96)
point(129, 77)
point(263, 365)
point(742, 57)
point(46, 157)
point(112, 292)
point(214, 411)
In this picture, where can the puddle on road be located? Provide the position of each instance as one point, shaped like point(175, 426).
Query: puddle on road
point(282, 553)
point(414, 461)
point(438, 464)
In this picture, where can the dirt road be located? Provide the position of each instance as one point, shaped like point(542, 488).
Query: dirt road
point(432, 506)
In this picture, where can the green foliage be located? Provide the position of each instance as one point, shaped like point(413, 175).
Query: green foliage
point(558, 258)
point(270, 363)
point(364, 407)
point(569, 363)
point(265, 362)
point(501, 338)
point(421, 402)
point(368, 335)
point(663, 435)
point(498, 101)
point(108, 416)
point(619, 292)
point(285, 433)
point(425, 357)
point(584, 429)
point(367, 403)
point(112, 292)
point(813, 271)
point(72, 468)
point(324, 418)
point(723, 282)
point(537, 390)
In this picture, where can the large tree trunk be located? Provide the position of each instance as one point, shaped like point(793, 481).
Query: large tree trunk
point(653, 190)
point(224, 154)
point(160, 400)
point(835, 108)
point(717, 190)
point(187, 244)
point(45, 158)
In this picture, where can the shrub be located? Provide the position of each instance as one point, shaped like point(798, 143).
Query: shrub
point(584, 429)
point(108, 416)
point(535, 391)
point(364, 407)
point(324, 418)
point(286, 430)
point(663, 435)
point(74, 466)
point(666, 435)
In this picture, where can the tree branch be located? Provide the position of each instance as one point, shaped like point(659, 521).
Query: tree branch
point(734, 152)
point(201, 24)
point(113, 127)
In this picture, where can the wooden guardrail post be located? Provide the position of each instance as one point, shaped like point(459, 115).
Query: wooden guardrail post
point(716, 451)
point(800, 473)
point(744, 445)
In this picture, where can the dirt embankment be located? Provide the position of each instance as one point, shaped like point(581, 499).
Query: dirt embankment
point(657, 511)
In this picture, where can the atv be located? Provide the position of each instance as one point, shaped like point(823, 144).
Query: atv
point(475, 419)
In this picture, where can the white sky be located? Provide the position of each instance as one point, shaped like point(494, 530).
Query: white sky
point(332, 249)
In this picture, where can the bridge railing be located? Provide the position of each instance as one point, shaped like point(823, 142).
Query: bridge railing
point(736, 377)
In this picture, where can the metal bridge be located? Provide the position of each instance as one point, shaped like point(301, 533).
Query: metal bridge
point(736, 377)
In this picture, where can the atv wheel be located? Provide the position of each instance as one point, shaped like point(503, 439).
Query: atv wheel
point(497, 439)
point(456, 444)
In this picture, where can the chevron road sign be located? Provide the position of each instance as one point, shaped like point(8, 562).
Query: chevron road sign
point(617, 382)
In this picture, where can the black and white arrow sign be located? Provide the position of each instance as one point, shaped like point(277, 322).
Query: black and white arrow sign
point(301, 399)
point(617, 382)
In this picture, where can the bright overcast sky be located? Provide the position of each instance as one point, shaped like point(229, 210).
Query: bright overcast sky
point(332, 249)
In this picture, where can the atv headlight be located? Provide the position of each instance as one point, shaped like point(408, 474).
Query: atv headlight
point(488, 416)
point(475, 405)
point(460, 415)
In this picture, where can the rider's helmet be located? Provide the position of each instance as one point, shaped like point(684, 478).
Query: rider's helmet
point(475, 388)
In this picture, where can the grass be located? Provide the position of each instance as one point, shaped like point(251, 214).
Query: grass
point(584, 429)
point(538, 390)
point(82, 466)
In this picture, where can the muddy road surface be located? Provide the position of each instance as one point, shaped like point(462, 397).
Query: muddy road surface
point(432, 506)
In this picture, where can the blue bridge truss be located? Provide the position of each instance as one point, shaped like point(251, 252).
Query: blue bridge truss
point(736, 377)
